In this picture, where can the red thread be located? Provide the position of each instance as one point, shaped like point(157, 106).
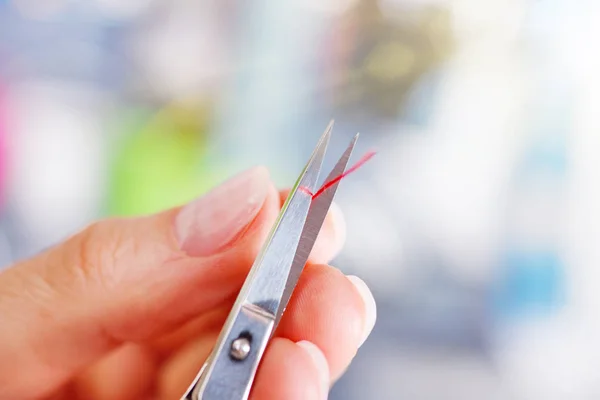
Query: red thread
point(304, 189)
point(335, 180)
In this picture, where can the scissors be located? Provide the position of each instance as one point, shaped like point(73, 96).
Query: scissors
point(230, 369)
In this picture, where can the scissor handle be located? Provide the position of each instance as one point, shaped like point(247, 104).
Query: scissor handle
point(231, 368)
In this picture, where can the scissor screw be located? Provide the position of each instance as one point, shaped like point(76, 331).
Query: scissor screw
point(240, 348)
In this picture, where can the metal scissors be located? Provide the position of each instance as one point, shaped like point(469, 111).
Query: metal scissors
point(230, 370)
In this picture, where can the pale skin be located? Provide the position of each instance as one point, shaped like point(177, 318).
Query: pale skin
point(130, 308)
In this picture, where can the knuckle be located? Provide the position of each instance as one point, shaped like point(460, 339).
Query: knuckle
point(96, 254)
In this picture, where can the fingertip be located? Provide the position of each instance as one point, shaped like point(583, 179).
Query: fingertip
point(327, 310)
point(246, 246)
point(320, 363)
point(331, 238)
point(369, 303)
point(212, 222)
point(338, 221)
point(290, 371)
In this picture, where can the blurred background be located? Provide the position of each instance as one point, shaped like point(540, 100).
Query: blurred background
point(477, 225)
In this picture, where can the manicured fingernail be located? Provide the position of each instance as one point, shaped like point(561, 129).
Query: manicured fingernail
point(370, 306)
point(211, 222)
point(320, 363)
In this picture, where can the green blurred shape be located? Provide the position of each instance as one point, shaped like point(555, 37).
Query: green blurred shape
point(159, 161)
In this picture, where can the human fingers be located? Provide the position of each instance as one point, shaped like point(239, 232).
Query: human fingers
point(124, 280)
point(292, 371)
point(332, 236)
point(333, 311)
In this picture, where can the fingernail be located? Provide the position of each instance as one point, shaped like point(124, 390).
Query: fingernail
point(211, 222)
point(370, 306)
point(339, 224)
point(320, 363)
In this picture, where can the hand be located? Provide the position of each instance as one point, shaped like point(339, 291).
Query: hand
point(130, 308)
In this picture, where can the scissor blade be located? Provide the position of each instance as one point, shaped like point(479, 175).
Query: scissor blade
point(312, 227)
point(253, 313)
point(270, 273)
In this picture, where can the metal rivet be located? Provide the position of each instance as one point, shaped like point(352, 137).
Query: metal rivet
point(240, 348)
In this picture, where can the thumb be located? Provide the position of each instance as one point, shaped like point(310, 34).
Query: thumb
point(125, 280)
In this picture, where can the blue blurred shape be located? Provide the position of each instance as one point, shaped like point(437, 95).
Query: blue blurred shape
point(532, 283)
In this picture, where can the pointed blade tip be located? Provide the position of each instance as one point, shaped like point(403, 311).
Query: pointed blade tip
point(352, 143)
point(326, 135)
point(318, 155)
